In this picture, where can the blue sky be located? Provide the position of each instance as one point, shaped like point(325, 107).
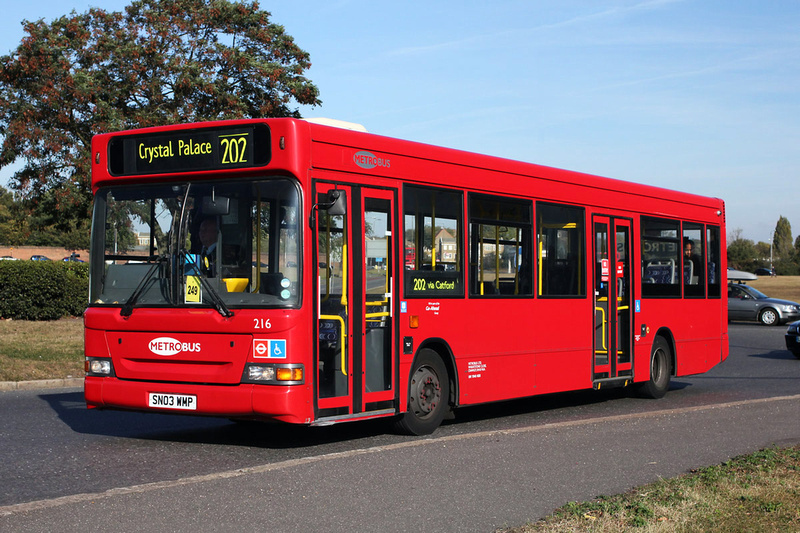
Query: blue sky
point(699, 96)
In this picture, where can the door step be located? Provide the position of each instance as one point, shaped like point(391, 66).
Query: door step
point(612, 383)
point(331, 420)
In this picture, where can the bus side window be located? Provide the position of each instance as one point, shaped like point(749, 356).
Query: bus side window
point(501, 246)
point(560, 250)
point(713, 258)
point(433, 220)
point(662, 273)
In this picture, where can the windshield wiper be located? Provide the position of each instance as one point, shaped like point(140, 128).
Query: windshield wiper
point(127, 307)
point(216, 299)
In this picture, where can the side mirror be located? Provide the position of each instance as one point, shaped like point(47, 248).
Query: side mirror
point(334, 204)
point(337, 202)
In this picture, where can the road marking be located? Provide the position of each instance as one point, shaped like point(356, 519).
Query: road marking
point(282, 465)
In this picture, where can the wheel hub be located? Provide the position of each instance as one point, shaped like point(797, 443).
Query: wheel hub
point(428, 391)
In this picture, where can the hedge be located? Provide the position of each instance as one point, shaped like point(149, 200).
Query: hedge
point(43, 290)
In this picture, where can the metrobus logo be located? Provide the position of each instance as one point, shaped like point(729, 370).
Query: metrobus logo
point(369, 160)
point(169, 346)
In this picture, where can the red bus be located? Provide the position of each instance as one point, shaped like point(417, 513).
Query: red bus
point(286, 270)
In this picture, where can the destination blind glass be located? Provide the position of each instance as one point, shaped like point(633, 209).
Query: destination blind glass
point(190, 150)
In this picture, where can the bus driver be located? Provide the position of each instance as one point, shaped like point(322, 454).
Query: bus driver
point(208, 233)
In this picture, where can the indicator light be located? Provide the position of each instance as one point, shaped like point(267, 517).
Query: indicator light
point(290, 374)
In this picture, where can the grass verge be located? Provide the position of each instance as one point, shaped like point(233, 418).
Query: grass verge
point(41, 350)
point(758, 492)
point(784, 287)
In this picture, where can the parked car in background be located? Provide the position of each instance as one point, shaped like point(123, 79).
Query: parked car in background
point(763, 272)
point(747, 303)
point(793, 338)
point(9, 258)
point(74, 257)
point(39, 258)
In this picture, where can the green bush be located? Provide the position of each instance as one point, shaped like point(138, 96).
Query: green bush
point(43, 290)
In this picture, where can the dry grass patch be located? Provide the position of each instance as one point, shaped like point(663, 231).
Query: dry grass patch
point(784, 287)
point(758, 492)
point(41, 350)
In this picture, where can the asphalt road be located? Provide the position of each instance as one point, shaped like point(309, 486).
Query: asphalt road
point(65, 468)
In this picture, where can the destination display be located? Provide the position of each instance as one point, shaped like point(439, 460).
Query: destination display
point(431, 283)
point(190, 150)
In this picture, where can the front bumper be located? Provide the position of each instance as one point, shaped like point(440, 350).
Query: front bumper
point(285, 403)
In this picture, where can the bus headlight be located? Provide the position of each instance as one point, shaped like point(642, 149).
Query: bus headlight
point(291, 374)
point(260, 373)
point(97, 366)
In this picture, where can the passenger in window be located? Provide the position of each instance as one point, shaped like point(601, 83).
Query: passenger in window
point(691, 262)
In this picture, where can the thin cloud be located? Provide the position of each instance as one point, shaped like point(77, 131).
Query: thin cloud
point(458, 44)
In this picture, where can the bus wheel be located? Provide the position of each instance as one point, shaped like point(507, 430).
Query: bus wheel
point(660, 371)
point(428, 395)
point(768, 317)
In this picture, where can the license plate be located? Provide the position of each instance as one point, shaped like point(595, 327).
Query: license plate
point(187, 402)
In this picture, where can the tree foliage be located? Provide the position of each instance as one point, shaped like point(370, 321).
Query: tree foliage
point(13, 227)
point(158, 62)
point(742, 254)
point(782, 253)
point(783, 247)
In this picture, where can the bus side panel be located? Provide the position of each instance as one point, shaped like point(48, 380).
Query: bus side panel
point(514, 348)
point(696, 348)
point(493, 362)
point(563, 335)
point(495, 350)
point(697, 351)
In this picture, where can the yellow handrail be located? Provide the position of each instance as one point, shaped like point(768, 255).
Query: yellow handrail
point(344, 277)
point(603, 311)
point(342, 345)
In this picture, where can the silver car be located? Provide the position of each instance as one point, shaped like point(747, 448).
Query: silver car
point(746, 303)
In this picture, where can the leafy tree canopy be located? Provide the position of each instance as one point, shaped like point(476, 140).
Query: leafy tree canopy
point(741, 253)
point(158, 62)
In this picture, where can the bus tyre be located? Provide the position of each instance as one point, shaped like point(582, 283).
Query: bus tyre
point(660, 371)
point(428, 395)
point(769, 317)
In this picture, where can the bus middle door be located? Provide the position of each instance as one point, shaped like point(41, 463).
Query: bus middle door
point(612, 361)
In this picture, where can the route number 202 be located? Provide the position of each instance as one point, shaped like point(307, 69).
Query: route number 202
point(234, 149)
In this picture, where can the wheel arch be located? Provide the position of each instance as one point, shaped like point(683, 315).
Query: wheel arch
point(445, 352)
point(666, 334)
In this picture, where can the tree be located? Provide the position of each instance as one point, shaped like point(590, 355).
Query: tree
point(159, 62)
point(13, 227)
point(783, 249)
point(782, 239)
point(742, 254)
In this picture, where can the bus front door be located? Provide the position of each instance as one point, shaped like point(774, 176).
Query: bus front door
point(354, 303)
point(613, 361)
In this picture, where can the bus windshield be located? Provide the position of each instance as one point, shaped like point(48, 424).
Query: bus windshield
point(223, 244)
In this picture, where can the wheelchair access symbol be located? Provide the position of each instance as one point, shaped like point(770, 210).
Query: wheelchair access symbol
point(269, 348)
